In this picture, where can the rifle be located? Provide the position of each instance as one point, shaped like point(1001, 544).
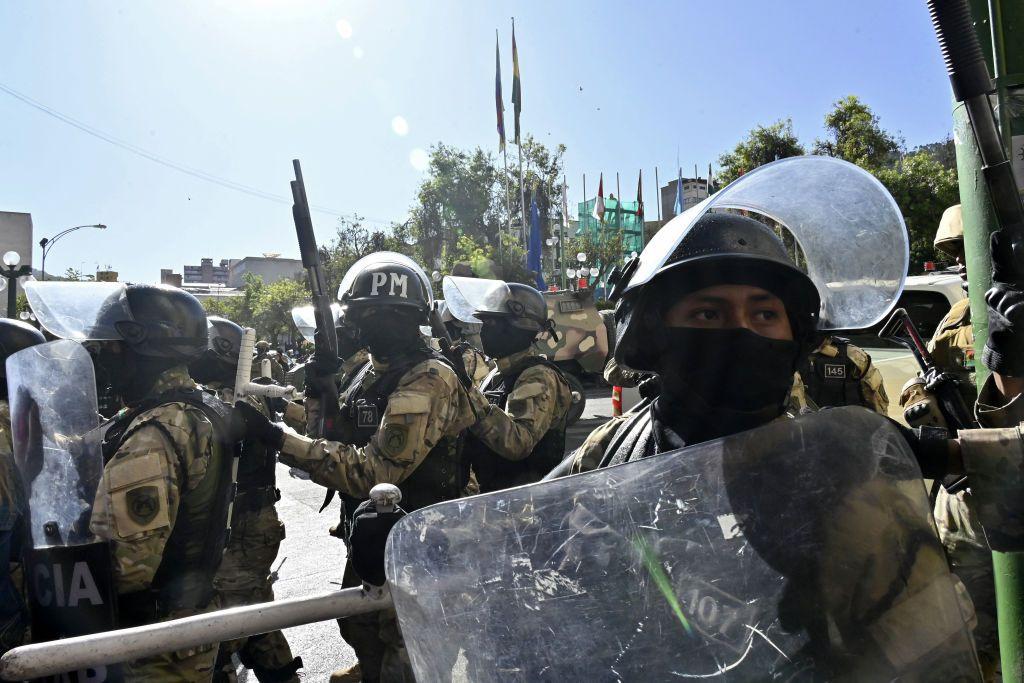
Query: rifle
point(325, 339)
point(942, 385)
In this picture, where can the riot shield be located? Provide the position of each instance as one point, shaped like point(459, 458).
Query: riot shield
point(57, 448)
point(848, 226)
point(465, 296)
point(803, 550)
point(305, 321)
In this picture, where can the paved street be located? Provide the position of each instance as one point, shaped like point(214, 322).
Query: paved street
point(313, 560)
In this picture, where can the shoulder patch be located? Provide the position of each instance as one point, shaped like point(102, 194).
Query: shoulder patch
point(394, 438)
point(143, 504)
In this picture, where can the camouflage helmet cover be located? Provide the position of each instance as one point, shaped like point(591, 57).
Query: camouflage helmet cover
point(949, 238)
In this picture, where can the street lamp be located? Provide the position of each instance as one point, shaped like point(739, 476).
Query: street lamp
point(47, 242)
point(11, 273)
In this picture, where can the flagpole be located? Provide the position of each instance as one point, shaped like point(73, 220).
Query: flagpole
point(657, 186)
point(618, 207)
point(517, 88)
point(508, 192)
point(522, 194)
point(565, 222)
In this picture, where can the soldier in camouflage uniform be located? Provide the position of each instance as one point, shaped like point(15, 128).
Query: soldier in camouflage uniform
point(256, 530)
point(401, 421)
point(264, 353)
point(466, 338)
point(521, 437)
point(838, 373)
point(164, 496)
point(952, 346)
point(14, 336)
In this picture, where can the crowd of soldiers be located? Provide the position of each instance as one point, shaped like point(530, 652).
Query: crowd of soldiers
point(727, 325)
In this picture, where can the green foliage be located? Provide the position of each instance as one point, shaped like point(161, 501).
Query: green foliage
point(762, 145)
point(265, 307)
point(923, 188)
point(75, 275)
point(854, 133)
point(604, 251)
point(923, 183)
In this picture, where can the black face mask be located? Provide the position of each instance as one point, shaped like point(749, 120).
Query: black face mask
point(720, 382)
point(390, 333)
point(499, 339)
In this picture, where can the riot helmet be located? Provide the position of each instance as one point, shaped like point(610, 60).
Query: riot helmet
point(386, 297)
point(262, 347)
point(385, 279)
point(949, 238)
point(220, 360)
point(15, 335)
point(720, 248)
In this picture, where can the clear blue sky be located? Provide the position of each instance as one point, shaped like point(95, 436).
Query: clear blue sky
point(238, 88)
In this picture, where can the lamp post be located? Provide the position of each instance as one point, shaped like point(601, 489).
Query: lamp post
point(47, 242)
point(11, 273)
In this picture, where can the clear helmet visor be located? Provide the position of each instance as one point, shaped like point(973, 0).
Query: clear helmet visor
point(846, 223)
point(385, 258)
point(82, 311)
point(305, 319)
point(467, 296)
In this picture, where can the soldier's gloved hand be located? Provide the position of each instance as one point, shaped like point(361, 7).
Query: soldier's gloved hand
point(1004, 350)
point(249, 424)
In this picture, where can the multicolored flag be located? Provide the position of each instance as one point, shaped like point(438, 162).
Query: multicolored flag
point(678, 208)
point(517, 88)
point(640, 197)
point(498, 103)
point(599, 203)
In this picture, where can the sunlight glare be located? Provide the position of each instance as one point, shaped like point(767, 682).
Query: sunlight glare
point(344, 28)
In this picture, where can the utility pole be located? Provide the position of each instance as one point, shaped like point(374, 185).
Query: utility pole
point(1002, 44)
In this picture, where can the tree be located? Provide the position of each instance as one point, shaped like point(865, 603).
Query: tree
point(762, 145)
point(352, 241)
point(923, 188)
point(854, 133)
point(75, 275)
point(265, 307)
point(604, 251)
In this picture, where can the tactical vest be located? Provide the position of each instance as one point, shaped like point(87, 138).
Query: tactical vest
point(494, 472)
point(256, 482)
point(833, 382)
point(442, 474)
point(193, 552)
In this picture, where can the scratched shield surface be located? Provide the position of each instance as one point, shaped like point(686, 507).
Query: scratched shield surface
point(798, 551)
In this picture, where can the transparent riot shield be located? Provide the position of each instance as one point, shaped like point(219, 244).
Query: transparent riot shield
point(803, 550)
point(465, 296)
point(305, 320)
point(848, 226)
point(57, 447)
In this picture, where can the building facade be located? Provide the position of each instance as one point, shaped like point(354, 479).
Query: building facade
point(206, 272)
point(269, 268)
point(695, 190)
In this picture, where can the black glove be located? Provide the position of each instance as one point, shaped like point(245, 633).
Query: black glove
point(249, 424)
point(319, 373)
point(1004, 350)
point(367, 539)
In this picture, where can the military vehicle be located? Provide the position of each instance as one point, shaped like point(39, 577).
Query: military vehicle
point(584, 343)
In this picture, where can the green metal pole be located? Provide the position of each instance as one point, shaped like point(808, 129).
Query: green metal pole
point(979, 222)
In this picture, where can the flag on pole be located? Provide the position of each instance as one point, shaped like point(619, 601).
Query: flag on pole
point(640, 197)
point(565, 205)
point(533, 256)
point(498, 103)
point(517, 88)
point(599, 202)
point(678, 208)
point(709, 179)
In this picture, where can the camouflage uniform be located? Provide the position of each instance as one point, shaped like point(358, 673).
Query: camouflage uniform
point(837, 373)
point(244, 574)
point(13, 617)
point(529, 422)
point(427, 408)
point(165, 454)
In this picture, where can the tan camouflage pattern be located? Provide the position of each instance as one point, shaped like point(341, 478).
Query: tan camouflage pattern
point(590, 453)
point(798, 401)
point(148, 459)
point(477, 365)
point(582, 335)
point(952, 346)
point(244, 574)
point(949, 238)
point(300, 416)
point(429, 404)
point(872, 388)
point(539, 400)
point(618, 376)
